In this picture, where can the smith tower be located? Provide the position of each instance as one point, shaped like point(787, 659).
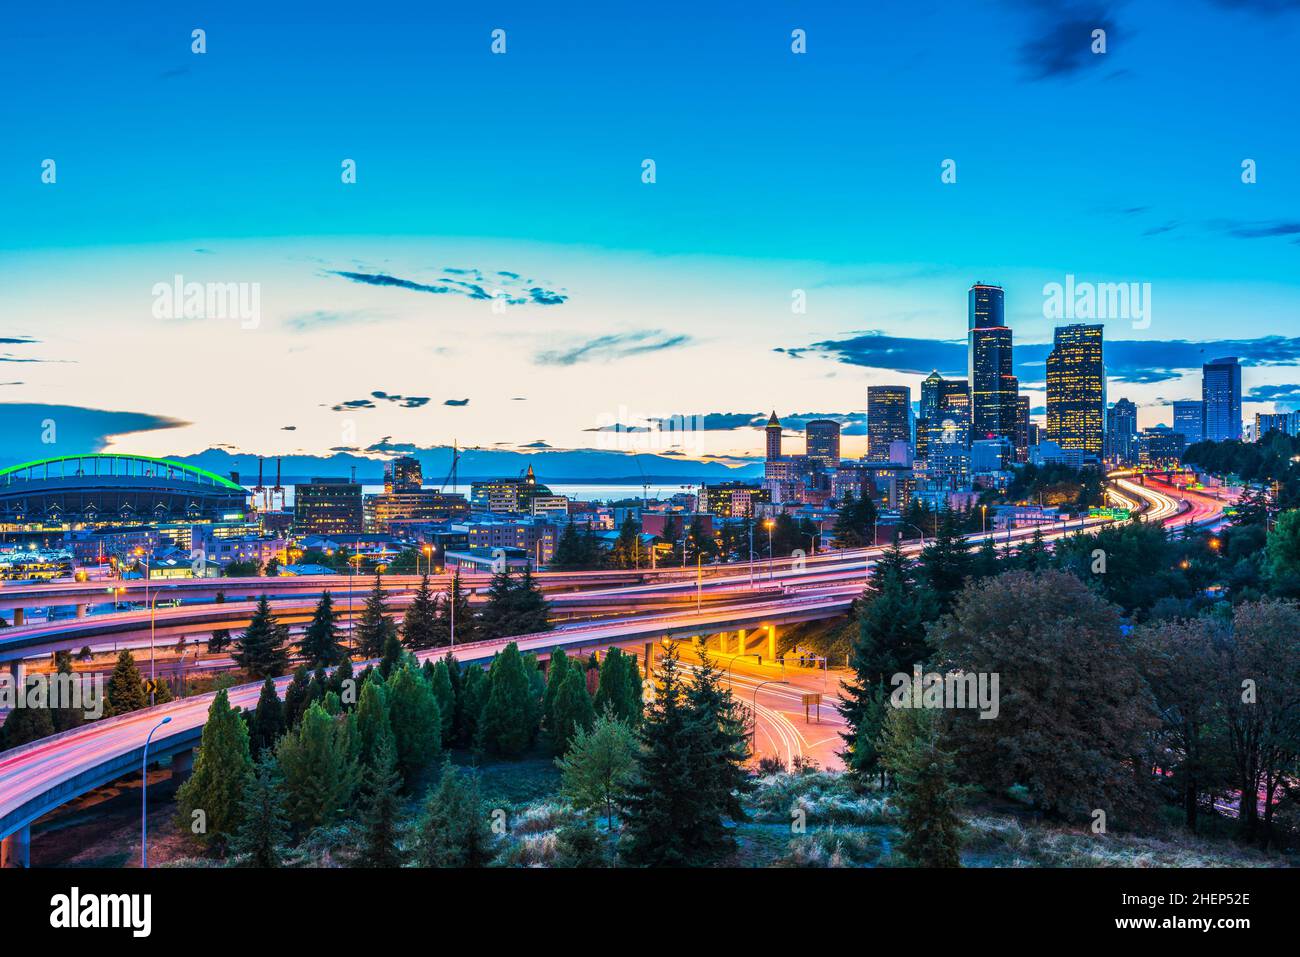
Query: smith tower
point(993, 387)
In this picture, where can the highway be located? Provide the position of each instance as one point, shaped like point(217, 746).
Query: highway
point(38, 777)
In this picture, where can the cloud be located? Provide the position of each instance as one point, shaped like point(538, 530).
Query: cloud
point(1287, 397)
point(614, 346)
point(317, 318)
point(75, 430)
point(1060, 44)
point(288, 428)
point(456, 402)
point(17, 341)
point(403, 401)
point(1257, 230)
point(505, 287)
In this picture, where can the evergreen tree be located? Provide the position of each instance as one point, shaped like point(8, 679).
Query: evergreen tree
point(510, 717)
point(439, 680)
point(381, 808)
point(417, 726)
point(946, 561)
point(1034, 556)
point(268, 720)
point(472, 701)
point(555, 675)
point(125, 691)
point(572, 711)
point(372, 720)
point(986, 563)
point(374, 627)
point(320, 645)
point(454, 831)
point(497, 618)
point(262, 828)
point(260, 650)
point(719, 750)
point(344, 684)
point(579, 844)
point(295, 697)
point(626, 552)
point(420, 624)
point(855, 521)
point(222, 767)
point(393, 655)
point(219, 640)
point(619, 692)
point(65, 719)
point(923, 772)
point(319, 763)
point(599, 765)
point(532, 612)
point(25, 725)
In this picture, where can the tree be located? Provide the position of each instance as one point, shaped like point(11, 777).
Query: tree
point(1073, 710)
point(511, 715)
point(320, 644)
point(619, 691)
point(455, 608)
point(439, 679)
point(393, 655)
point(1034, 556)
point(626, 552)
point(474, 696)
point(855, 522)
point(417, 725)
point(268, 720)
point(555, 675)
point(219, 639)
point(986, 563)
point(262, 828)
point(719, 750)
point(598, 766)
point(380, 810)
point(67, 718)
point(222, 767)
point(923, 773)
point(946, 561)
point(532, 612)
point(1282, 555)
point(26, 724)
point(453, 831)
point(373, 723)
point(296, 697)
point(319, 763)
point(125, 691)
point(374, 626)
point(420, 624)
point(572, 710)
point(579, 844)
point(260, 650)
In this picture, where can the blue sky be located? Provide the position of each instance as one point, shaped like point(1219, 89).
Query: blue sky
point(775, 172)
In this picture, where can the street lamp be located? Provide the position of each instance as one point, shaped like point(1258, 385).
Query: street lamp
point(769, 525)
point(152, 677)
point(144, 795)
point(920, 531)
point(753, 734)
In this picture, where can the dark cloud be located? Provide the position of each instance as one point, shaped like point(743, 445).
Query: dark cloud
point(1287, 397)
point(75, 429)
point(614, 346)
point(507, 287)
point(1257, 230)
point(288, 428)
point(403, 401)
point(1059, 41)
point(456, 402)
point(17, 341)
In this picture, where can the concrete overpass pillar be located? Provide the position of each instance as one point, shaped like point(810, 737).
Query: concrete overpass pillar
point(182, 763)
point(649, 657)
point(81, 610)
point(771, 642)
point(19, 616)
point(740, 642)
point(18, 672)
point(16, 849)
point(722, 642)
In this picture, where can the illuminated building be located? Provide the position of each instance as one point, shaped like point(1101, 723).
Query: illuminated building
point(992, 384)
point(508, 495)
point(403, 474)
point(1221, 395)
point(1188, 416)
point(1022, 428)
point(773, 434)
point(1076, 389)
point(733, 499)
point(1160, 447)
point(1283, 422)
point(328, 506)
point(420, 504)
point(1121, 433)
point(822, 442)
point(888, 407)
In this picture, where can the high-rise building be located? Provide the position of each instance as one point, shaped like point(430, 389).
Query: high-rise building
point(992, 385)
point(1122, 433)
point(508, 495)
point(1188, 416)
point(822, 442)
point(773, 430)
point(403, 474)
point(1221, 395)
point(328, 506)
point(1076, 388)
point(1284, 422)
point(887, 419)
point(1022, 428)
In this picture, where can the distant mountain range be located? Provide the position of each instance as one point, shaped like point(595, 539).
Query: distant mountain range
point(572, 466)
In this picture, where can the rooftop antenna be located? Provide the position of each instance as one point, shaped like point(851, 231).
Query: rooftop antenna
point(278, 489)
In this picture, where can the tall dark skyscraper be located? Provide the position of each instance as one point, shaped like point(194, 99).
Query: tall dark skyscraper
point(992, 384)
point(1022, 428)
point(1221, 395)
point(1188, 416)
point(773, 430)
point(1076, 389)
point(887, 419)
point(1122, 433)
point(822, 442)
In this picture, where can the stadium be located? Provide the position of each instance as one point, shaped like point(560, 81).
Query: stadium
point(111, 489)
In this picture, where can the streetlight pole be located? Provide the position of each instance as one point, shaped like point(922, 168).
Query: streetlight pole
point(144, 795)
point(751, 551)
point(699, 579)
point(753, 734)
point(769, 525)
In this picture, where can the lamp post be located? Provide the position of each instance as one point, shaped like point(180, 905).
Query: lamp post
point(769, 525)
point(144, 795)
point(699, 579)
point(984, 525)
point(753, 746)
point(920, 531)
point(152, 677)
point(751, 551)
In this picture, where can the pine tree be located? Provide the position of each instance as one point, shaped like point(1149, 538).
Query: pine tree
point(555, 675)
point(343, 683)
point(260, 650)
point(497, 617)
point(1034, 556)
point(393, 655)
point(65, 719)
point(572, 711)
point(718, 755)
point(420, 624)
point(320, 768)
point(222, 767)
point(295, 697)
point(262, 828)
point(923, 773)
point(473, 698)
point(579, 844)
point(381, 808)
point(626, 552)
point(570, 550)
point(455, 605)
point(125, 691)
point(986, 563)
point(510, 717)
point(372, 721)
point(439, 679)
point(532, 612)
point(25, 725)
point(219, 640)
point(320, 643)
point(946, 561)
point(454, 831)
point(417, 726)
point(268, 720)
point(599, 765)
point(619, 692)
point(374, 627)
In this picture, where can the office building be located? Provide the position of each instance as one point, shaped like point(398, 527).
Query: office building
point(1283, 422)
point(403, 474)
point(888, 407)
point(1221, 399)
point(1160, 447)
point(1121, 433)
point(773, 434)
point(328, 506)
point(1022, 429)
point(993, 386)
point(508, 495)
point(1189, 416)
point(1076, 388)
point(822, 442)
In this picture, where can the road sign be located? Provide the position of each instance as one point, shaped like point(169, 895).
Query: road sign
point(812, 699)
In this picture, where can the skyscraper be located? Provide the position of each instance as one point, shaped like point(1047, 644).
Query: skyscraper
point(1188, 414)
point(992, 385)
point(1122, 433)
point(822, 442)
point(403, 474)
point(887, 419)
point(1022, 428)
point(1221, 395)
point(773, 430)
point(1076, 389)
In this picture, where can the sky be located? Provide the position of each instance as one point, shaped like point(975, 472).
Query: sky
point(501, 274)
